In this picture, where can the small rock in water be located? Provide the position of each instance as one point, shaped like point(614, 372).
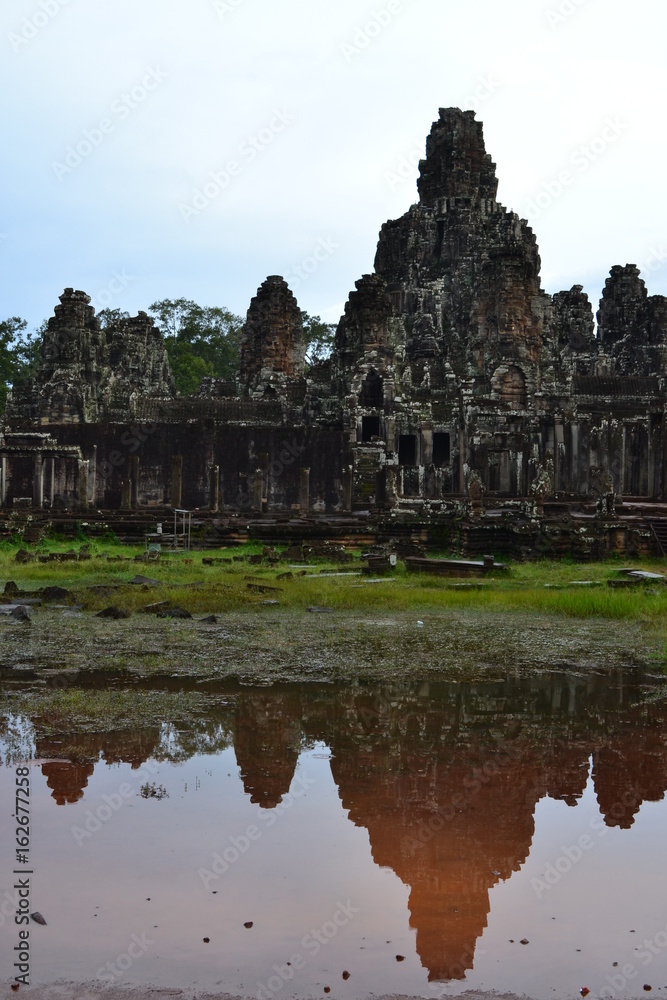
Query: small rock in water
point(525, 941)
point(248, 924)
point(346, 975)
point(38, 918)
point(400, 958)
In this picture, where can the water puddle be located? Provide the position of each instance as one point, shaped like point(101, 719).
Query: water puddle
point(423, 840)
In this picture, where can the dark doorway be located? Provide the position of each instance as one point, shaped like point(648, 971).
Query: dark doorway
point(441, 449)
point(372, 391)
point(407, 449)
point(370, 428)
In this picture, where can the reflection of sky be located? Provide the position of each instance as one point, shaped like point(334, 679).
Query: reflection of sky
point(291, 880)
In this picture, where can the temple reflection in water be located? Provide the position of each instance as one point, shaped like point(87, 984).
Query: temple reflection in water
point(444, 777)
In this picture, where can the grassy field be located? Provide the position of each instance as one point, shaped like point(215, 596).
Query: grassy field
point(548, 587)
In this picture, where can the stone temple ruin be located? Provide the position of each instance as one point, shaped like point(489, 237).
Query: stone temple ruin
point(461, 401)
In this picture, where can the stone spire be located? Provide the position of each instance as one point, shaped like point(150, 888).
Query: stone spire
point(457, 164)
point(272, 342)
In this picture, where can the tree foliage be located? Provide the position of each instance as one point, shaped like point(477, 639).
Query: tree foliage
point(200, 341)
point(19, 354)
point(319, 338)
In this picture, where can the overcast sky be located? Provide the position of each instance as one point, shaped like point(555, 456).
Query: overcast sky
point(118, 114)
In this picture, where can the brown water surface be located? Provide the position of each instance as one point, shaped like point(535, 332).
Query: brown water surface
point(426, 839)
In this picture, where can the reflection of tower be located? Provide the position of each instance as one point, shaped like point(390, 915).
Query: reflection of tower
point(450, 824)
point(630, 770)
point(67, 779)
point(267, 741)
point(449, 808)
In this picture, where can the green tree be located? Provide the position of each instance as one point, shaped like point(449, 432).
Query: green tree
point(319, 338)
point(19, 354)
point(109, 317)
point(200, 341)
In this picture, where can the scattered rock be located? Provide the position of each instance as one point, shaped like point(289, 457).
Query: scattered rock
point(154, 609)
point(270, 604)
point(175, 613)
point(319, 611)
point(113, 612)
point(11, 589)
point(211, 620)
point(263, 588)
point(55, 594)
point(20, 614)
point(38, 918)
point(145, 581)
point(23, 556)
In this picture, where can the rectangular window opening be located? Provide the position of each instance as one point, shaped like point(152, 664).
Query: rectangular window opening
point(407, 449)
point(370, 428)
point(441, 449)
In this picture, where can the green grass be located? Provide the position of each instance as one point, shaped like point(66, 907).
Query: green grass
point(541, 586)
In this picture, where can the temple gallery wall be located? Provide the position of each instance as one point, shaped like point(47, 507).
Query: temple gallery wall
point(454, 377)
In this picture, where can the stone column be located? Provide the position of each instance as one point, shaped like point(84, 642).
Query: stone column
point(3, 480)
point(214, 488)
point(177, 481)
point(38, 482)
point(391, 484)
point(258, 491)
point(304, 491)
point(93, 478)
point(133, 475)
point(126, 494)
point(348, 483)
point(427, 446)
point(52, 481)
point(82, 484)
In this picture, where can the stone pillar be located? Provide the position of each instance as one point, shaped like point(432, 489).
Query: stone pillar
point(82, 484)
point(214, 488)
point(3, 480)
point(427, 446)
point(258, 491)
point(391, 485)
point(348, 484)
point(52, 481)
point(38, 482)
point(177, 481)
point(93, 478)
point(304, 491)
point(126, 494)
point(133, 476)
